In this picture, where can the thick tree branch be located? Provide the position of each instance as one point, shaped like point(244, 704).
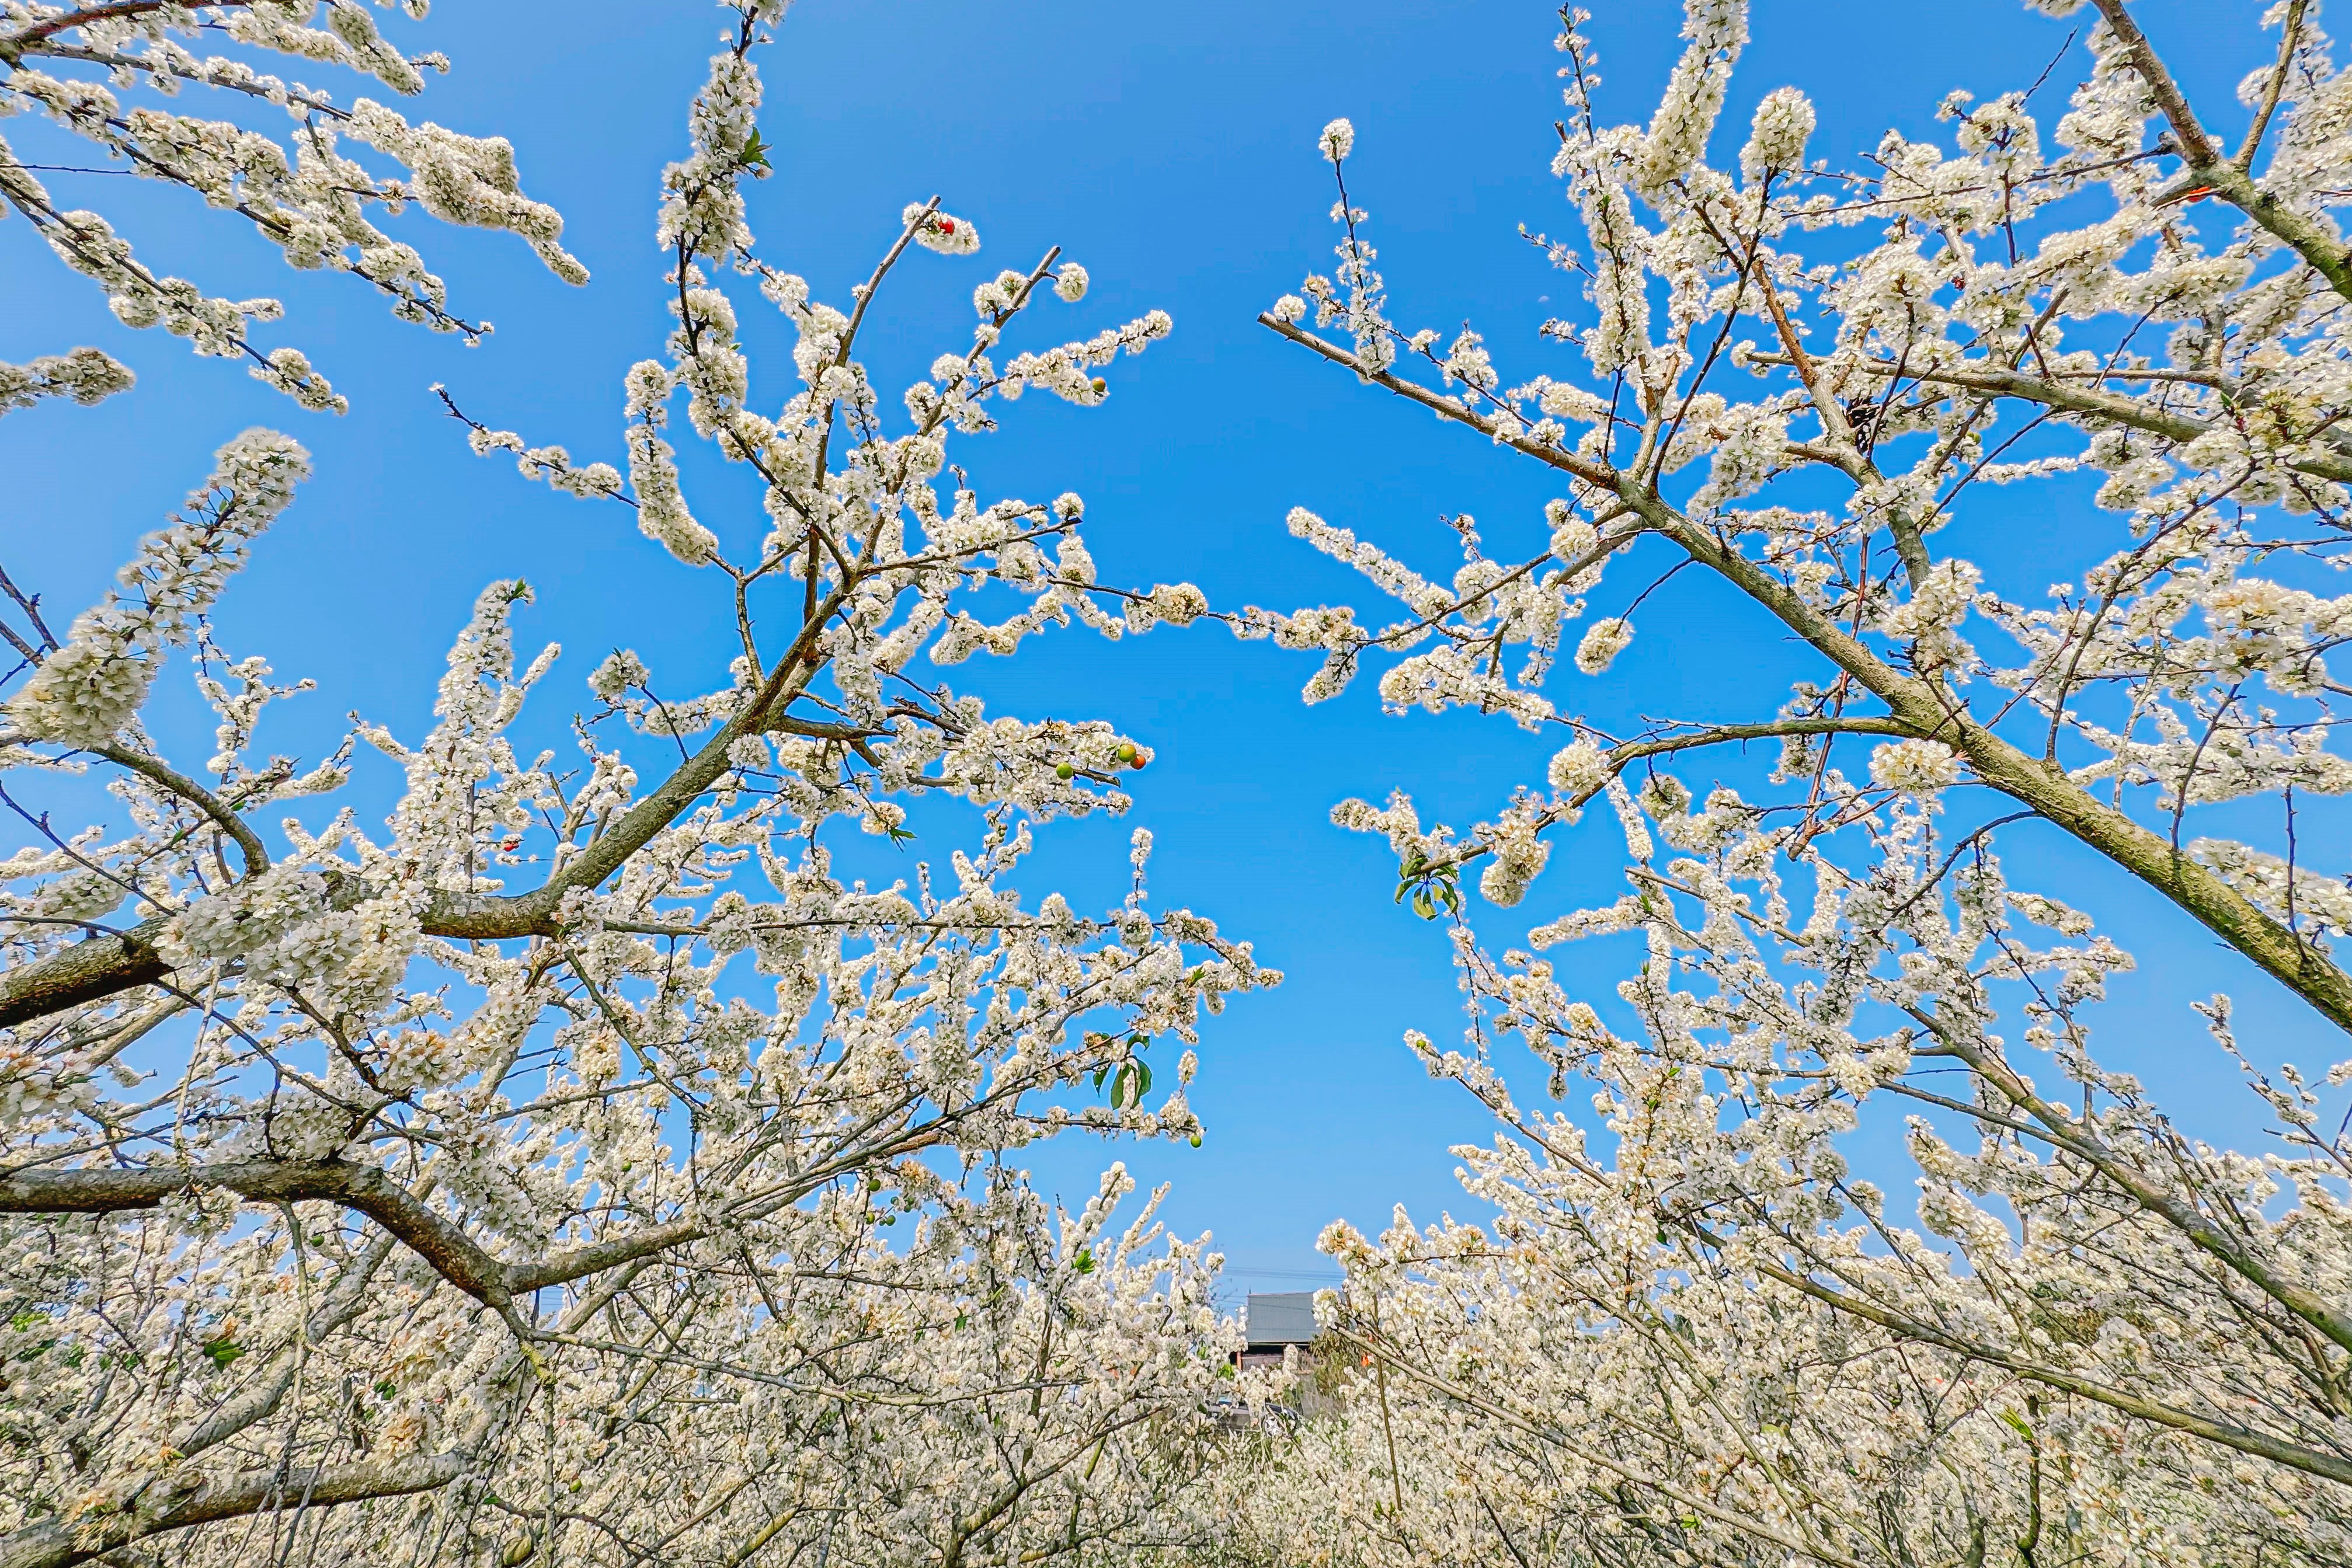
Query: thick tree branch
point(439, 1240)
point(442, 1242)
point(2290, 35)
point(189, 1498)
point(1930, 710)
point(107, 965)
point(102, 1190)
point(2311, 237)
point(2195, 145)
point(87, 971)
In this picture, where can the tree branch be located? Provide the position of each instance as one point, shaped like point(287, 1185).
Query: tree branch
point(2290, 35)
point(39, 30)
point(1725, 733)
point(1929, 710)
point(103, 1190)
point(2076, 1138)
point(1845, 451)
point(106, 966)
point(2311, 1461)
point(2310, 237)
point(2111, 406)
point(1591, 472)
point(189, 1498)
point(248, 843)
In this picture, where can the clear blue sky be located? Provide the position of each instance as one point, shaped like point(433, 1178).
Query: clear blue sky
point(1171, 149)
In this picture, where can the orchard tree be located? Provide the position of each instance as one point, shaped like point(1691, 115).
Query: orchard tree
point(74, 65)
point(1691, 1333)
point(517, 1182)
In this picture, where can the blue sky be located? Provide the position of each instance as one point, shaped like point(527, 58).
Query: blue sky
point(1171, 149)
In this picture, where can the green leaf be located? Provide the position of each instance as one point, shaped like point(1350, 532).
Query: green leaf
point(1085, 1263)
point(223, 1351)
point(1142, 1081)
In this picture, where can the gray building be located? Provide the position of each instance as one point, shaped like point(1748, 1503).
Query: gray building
point(1273, 1322)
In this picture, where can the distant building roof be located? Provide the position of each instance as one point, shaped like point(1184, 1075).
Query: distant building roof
point(1278, 1317)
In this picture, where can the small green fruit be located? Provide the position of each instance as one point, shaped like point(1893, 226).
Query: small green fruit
point(1126, 752)
point(1196, 1140)
point(1064, 772)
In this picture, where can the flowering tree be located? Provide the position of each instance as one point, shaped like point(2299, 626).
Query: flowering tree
point(518, 1183)
point(1699, 1336)
point(74, 64)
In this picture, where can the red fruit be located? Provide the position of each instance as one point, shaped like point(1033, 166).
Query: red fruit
point(947, 225)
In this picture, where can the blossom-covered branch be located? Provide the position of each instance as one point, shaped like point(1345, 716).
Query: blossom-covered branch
point(604, 1132)
point(1689, 1330)
point(306, 197)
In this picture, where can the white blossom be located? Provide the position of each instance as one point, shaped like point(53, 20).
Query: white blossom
point(1777, 137)
point(87, 689)
point(1603, 641)
point(309, 196)
point(1688, 1321)
point(581, 1136)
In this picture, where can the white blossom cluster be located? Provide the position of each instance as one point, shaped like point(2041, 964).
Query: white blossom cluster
point(77, 66)
point(596, 1159)
point(1688, 1329)
point(86, 690)
point(85, 375)
point(599, 1160)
